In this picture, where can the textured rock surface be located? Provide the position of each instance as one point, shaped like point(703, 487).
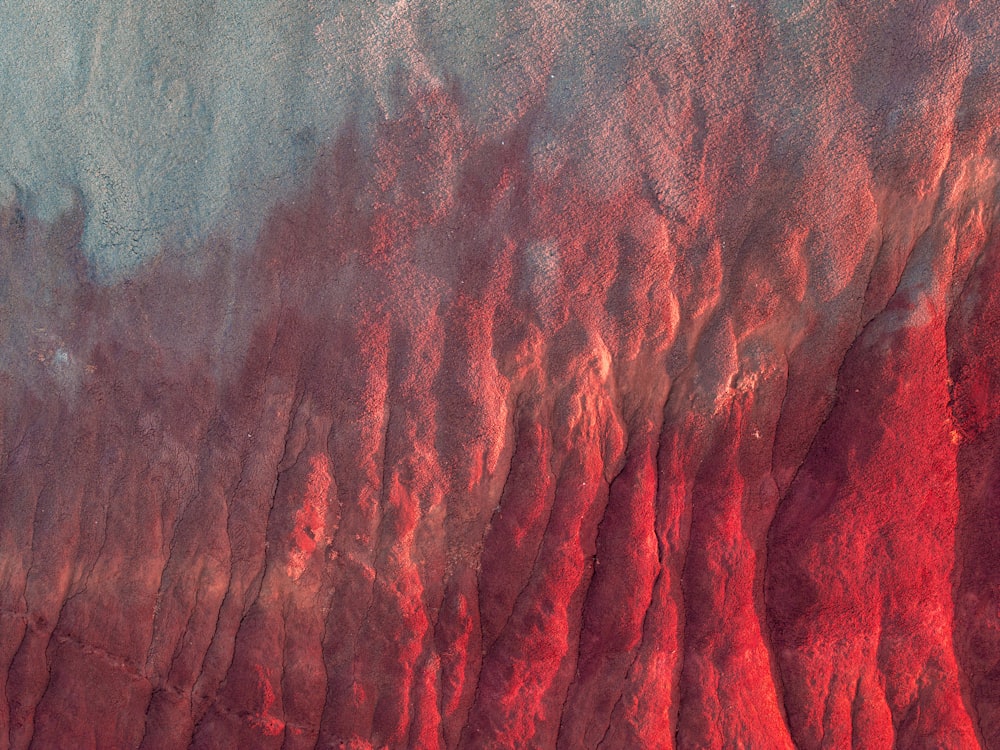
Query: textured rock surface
point(652, 403)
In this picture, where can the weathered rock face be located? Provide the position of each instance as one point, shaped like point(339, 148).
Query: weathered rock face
point(666, 419)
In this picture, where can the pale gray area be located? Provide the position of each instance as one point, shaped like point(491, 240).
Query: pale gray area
point(165, 120)
point(170, 121)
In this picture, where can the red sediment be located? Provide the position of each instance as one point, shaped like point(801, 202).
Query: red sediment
point(478, 449)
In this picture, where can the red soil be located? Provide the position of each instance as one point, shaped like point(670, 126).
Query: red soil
point(691, 442)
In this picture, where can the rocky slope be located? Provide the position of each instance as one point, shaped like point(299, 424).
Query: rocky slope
point(655, 404)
